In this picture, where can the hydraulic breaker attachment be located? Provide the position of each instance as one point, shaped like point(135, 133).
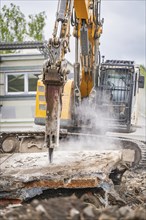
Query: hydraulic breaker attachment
point(54, 73)
point(54, 82)
point(53, 94)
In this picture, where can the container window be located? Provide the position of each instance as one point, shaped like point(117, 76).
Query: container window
point(32, 82)
point(16, 83)
point(21, 83)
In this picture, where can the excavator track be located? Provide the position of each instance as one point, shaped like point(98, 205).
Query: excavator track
point(11, 141)
point(142, 163)
point(125, 143)
point(23, 142)
point(140, 149)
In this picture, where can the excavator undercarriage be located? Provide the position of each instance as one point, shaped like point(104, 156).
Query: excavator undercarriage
point(133, 151)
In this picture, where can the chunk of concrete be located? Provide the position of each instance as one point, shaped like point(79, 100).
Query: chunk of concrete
point(25, 175)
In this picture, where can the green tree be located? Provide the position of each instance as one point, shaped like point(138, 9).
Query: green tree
point(143, 72)
point(13, 25)
point(36, 25)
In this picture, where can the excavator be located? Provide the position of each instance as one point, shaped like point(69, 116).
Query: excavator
point(103, 95)
point(82, 103)
point(85, 17)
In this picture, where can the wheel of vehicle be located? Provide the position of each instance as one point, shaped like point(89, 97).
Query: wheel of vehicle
point(10, 144)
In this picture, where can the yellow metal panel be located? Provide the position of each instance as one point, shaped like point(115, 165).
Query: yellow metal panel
point(39, 113)
point(81, 8)
point(66, 101)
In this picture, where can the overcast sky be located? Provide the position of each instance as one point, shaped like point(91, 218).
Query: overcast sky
point(124, 29)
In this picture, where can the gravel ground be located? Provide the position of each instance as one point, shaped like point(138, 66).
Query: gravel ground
point(87, 206)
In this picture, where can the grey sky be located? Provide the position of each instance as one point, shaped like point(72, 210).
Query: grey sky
point(124, 29)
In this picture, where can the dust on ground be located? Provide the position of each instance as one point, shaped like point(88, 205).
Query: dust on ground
point(88, 206)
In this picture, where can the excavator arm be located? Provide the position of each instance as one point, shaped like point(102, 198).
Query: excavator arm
point(85, 17)
point(54, 73)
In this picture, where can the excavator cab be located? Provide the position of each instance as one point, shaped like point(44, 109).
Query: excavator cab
point(119, 87)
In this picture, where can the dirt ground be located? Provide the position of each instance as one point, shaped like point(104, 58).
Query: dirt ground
point(88, 205)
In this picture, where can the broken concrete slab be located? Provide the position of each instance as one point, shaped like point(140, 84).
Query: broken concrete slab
point(25, 175)
point(4, 157)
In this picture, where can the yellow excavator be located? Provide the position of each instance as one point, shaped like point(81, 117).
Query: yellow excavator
point(100, 92)
point(102, 96)
point(85, 17)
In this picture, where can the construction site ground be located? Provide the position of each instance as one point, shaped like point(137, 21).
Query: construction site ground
point(86, 205)
point(76, 187)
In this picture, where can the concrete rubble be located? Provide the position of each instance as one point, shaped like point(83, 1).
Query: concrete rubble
point(23, 176)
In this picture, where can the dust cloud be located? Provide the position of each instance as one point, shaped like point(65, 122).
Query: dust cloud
point(94, 122)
